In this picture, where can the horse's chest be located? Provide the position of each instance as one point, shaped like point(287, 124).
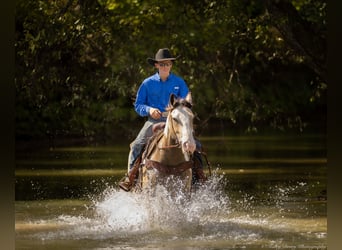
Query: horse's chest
point(170, 156)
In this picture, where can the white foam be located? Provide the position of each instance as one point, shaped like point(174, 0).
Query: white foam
point(142, 211)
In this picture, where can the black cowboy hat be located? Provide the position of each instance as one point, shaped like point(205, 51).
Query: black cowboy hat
point(162, 55)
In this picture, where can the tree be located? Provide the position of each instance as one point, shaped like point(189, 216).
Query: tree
point(249, 63)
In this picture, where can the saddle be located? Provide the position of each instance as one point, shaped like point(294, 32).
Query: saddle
point(157, 127)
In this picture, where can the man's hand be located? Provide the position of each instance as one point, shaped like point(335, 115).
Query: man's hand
point(155, 113)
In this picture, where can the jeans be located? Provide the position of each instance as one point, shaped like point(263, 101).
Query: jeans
point(138, 144)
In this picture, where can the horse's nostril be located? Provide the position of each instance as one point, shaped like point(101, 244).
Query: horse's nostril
point(185, 146)
point(189, 147)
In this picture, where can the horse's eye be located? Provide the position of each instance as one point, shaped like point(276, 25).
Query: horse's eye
point(176, 120)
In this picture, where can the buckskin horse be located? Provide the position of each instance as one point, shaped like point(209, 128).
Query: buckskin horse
point(168, 154)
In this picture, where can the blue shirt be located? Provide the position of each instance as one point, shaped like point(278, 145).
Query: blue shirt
point(155, 93)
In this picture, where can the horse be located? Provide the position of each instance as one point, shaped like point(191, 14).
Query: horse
point(168, 154)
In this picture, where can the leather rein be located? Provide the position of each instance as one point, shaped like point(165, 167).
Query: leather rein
point(177, 144)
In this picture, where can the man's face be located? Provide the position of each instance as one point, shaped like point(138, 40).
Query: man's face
point(164, 67)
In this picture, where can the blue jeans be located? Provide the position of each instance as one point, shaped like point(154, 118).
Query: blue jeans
point(138, 144)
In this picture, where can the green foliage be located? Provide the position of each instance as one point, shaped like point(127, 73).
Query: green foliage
point(80, 63)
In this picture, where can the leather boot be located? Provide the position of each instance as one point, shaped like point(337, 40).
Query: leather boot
point(198, 174)
point(125, 183)
point(128, 181)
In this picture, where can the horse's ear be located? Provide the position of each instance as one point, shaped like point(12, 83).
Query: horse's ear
point(188, 98)
point(172, 99)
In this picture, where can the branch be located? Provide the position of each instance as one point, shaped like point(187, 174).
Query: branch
point(299, 35)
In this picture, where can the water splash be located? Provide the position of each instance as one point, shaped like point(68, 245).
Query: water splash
point(208, 217)
point(133, 212)
point(120, 214)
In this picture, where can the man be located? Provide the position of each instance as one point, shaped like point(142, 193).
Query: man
point(152, 98)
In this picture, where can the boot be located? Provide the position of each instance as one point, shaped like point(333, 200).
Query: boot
point(128, 181)
point(198, 175)
point(125, 183)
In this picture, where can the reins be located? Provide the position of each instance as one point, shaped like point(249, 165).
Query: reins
point(177, 145)
point(169, 146)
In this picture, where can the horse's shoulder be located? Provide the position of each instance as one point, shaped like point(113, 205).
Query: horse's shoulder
point(152, 142)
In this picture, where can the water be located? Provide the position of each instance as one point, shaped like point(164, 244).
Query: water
point(273, 197)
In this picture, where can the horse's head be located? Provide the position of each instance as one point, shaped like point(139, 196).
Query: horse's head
point(179, 124)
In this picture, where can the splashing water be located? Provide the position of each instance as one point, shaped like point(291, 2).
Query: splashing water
point(208, 218)
point(132, 212)
point(121, 214)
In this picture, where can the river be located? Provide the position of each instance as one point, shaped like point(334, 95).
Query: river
point(265, 191)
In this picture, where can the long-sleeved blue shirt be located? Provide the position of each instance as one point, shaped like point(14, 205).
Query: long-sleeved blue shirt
point(155, 93)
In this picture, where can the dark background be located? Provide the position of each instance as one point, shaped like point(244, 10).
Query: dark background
point(251, 65)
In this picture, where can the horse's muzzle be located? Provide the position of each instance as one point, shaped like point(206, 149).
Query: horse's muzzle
point(189, 147)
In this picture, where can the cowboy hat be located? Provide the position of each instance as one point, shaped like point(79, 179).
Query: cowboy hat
point(161, 55)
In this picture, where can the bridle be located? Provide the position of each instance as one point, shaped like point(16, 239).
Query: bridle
point(177, 144)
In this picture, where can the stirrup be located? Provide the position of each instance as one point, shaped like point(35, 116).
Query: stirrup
point(125, 184)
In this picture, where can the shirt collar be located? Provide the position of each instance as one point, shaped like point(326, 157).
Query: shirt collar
point(157, 77)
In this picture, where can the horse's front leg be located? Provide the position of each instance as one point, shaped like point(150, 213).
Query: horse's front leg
point(187, 180)
point(149, 178)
